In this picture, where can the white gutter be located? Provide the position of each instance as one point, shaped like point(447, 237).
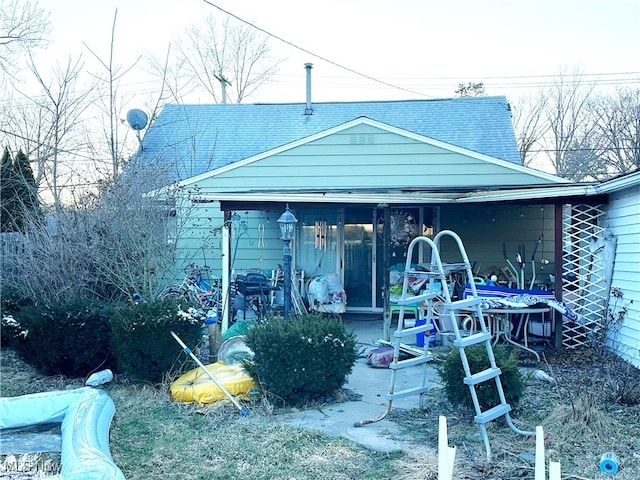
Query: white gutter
point(617, 184)
point(324, 198)
point(532, 194)
point(555, 191)
point(518, 194)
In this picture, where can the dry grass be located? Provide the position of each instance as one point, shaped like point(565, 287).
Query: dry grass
point(578, 412)
point(581, 419)
point(153, 437)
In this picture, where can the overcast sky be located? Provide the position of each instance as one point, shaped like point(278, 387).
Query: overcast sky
point(424, 47)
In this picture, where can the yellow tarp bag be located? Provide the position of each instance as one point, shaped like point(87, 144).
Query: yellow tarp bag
point(196, 386)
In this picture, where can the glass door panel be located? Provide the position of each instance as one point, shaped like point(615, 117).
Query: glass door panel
point(358, 257)
point(317, 242)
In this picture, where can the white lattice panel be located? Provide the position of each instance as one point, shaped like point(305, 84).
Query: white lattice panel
point(582, 287)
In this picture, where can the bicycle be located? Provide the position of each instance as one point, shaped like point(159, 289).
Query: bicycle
point(198, 291)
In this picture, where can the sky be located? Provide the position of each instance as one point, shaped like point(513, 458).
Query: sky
point(376, 49)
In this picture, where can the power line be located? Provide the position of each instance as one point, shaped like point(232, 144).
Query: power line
point(576, 76)
point(320, 57)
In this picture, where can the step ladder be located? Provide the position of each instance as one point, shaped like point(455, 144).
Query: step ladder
point(436, 280)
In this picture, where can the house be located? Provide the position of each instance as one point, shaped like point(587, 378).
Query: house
point(350, 171)
point(622, 219)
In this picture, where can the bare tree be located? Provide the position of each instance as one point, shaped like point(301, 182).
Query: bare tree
point(227, 54)
point(569, 127)
point(175, 83)
point(48, 126)
point(529, 125)
point(111, 246)
point(116, 137)
point(23, 27)
point(585, 136)
point(470, 89)
point(617, 130)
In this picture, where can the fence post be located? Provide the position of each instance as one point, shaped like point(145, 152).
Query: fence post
point(539, 462)
point(446, 454)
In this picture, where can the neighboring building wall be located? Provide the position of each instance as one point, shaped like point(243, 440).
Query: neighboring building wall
point(623, 220)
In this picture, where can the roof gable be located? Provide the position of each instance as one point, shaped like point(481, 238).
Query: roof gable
point(367, 155)
point(193, 139)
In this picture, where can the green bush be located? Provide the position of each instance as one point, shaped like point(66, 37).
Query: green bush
point(452, 375)
point(72, 339)
point(11, 302)
point(303, 359)
point(142, 338)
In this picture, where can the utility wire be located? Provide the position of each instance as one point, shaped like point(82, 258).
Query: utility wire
point(320, 57)
point(536, 82)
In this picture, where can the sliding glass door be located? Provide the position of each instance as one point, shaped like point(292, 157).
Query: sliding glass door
point(359, 248)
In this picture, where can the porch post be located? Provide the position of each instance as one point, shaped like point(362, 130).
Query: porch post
point(557, 254)
point(386, 270)
point(226, 272)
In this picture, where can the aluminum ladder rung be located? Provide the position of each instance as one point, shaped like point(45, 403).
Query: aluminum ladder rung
point(492, 413)
point(410, 362)
point(406, 393)
point(474, 339)
point(417, 298)
point(461, 304)
point(440, 271)
point(483, 376)
point(422, 273)
point(433, 270)
point(405, 332)
point(455, 267)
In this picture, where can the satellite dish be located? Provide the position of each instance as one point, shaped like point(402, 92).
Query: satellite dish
point(137, 119)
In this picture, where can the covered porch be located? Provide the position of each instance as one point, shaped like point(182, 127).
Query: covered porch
point(536, 243)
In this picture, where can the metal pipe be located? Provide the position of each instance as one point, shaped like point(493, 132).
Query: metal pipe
point(308, 109)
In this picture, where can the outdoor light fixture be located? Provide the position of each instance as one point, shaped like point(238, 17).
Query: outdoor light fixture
point(287, 224)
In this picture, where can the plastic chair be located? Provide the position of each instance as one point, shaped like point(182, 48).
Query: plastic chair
point(408, 309)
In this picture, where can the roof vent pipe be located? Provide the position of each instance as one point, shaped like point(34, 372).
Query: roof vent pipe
point(308, 109)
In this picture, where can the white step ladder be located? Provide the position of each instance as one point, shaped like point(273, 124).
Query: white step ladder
point(437, 277)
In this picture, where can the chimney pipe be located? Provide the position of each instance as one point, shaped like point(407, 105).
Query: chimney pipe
point(308, 109)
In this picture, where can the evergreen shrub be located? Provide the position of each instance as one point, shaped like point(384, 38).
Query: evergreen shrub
point(11, 302)
point(71, 339)
point(142, 339)
point(452, 375)
point(306, 358)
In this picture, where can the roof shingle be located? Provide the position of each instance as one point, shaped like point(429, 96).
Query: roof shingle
point(200, 138)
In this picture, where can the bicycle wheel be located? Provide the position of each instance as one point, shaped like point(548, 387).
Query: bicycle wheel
point(176, 294)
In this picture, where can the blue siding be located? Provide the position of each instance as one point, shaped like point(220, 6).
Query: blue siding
point(623, 219)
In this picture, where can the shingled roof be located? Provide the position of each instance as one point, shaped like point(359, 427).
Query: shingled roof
point(193, 139)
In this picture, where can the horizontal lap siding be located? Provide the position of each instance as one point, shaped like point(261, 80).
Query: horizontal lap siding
point(256, 240)
point(199, 238)
point(383, 160)
point(623, 219)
